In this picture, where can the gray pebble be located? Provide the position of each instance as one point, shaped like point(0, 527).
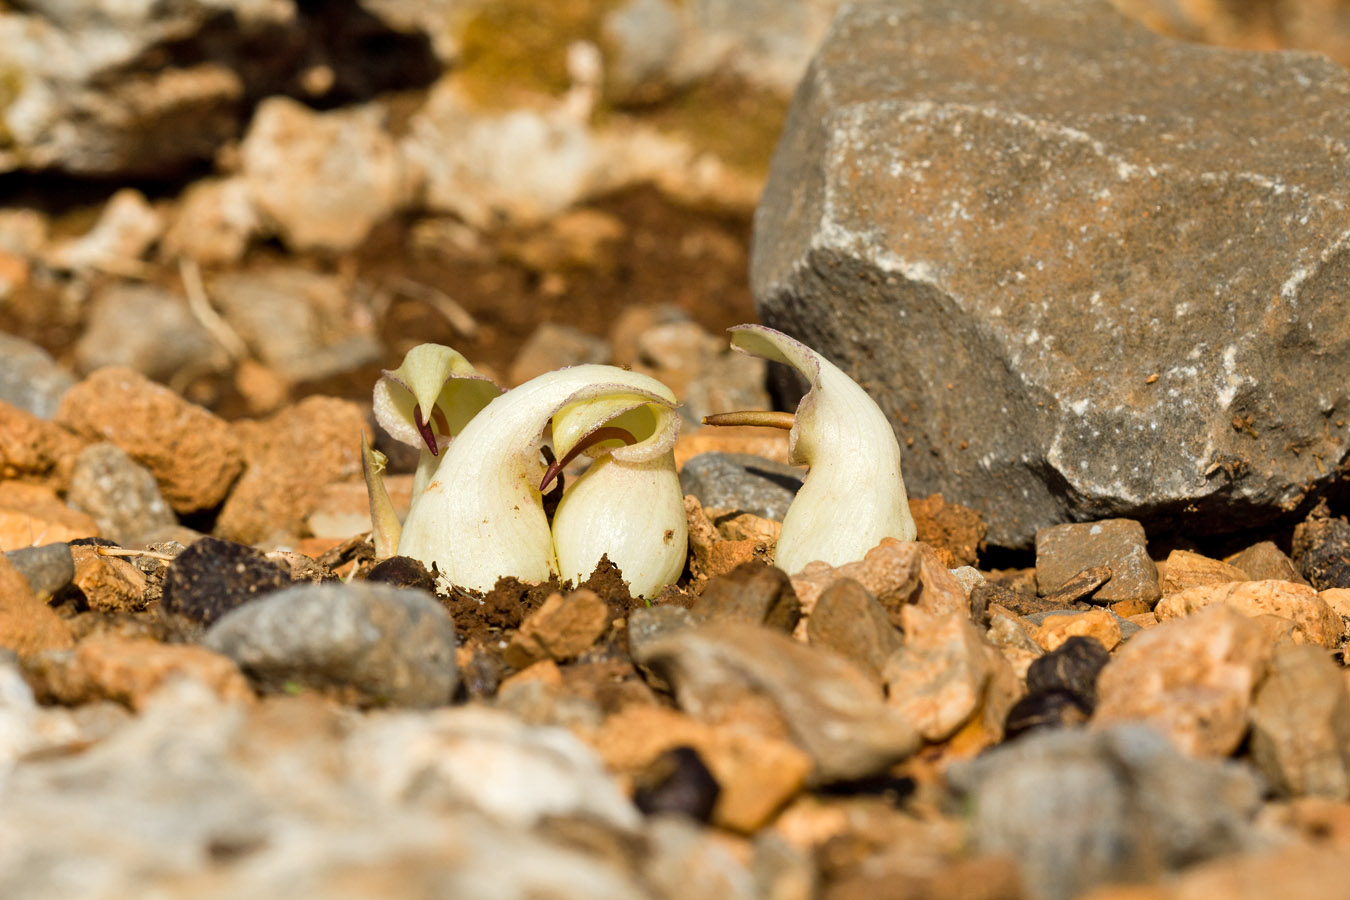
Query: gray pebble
point(29, 378)
point(391, 646)
point(48, 568)
point(118, 493)
point(741, 481)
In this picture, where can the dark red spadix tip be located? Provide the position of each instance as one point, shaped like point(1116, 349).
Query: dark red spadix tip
point(424, 429)
point(607, 433)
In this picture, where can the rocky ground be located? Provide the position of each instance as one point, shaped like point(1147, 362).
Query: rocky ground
point(221, 224)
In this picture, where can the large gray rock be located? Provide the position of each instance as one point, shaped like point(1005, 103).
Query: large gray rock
point(378, 644)
point(1089, 271)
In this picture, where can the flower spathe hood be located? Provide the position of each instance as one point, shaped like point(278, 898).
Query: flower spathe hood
point(854, 494)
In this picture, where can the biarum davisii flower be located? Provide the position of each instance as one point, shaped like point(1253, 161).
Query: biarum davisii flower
point(853, 495)
point(425, 402)
point(628, 504)
point(481, 517)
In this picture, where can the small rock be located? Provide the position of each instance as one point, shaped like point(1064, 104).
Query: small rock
point(1192, 679)
point(1322, 551)
point(1314, 620)
point(30, 379)
point(831, 710)
point(949, 526)
point(322, 179)
point(1063, 551)
point(31, 514)
point(553, 346)
point(130, 671)
point(753, 593)
point(757, 774)
point(301, 325)
point(1266, 562)
point(562, 628)
point(214, 577)
point(1073, 667)
point(126, 229)
point(146, 328)
point(1097, 624)
point(47, 568)
point(109, 584)
point(120, 494)
point(381, 645)
point(27, 624)
point(677, 782)
point(1184, 569)
point(291, 457)
point(447, 758)
point(740, 481)
point(215, 222)
point(192, 453)
point(31, 447)
point(1080, 808)
point(945, 672)
point(1301, 724)
point(850, 621)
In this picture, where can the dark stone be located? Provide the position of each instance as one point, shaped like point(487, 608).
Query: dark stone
point(1065, 256)
point(482, 675)
point(1322, 552)
point(755, 593)
point(677, 781)
point(1073, 666)
point(741, 481)
point(212, 577)
point(1046, 709)
point(1064, 551)
point(1266, 562)
point(402, 571)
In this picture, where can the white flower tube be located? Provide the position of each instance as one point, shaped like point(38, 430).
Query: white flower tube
point(482, 515)
point(854, 494)
point(428, 400)
point(628, 504)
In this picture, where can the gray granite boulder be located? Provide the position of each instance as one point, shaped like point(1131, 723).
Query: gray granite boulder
point(1088, 271)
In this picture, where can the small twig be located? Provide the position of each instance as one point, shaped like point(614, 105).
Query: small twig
point(122, 551)
point(200, 305)
point(459, 318)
